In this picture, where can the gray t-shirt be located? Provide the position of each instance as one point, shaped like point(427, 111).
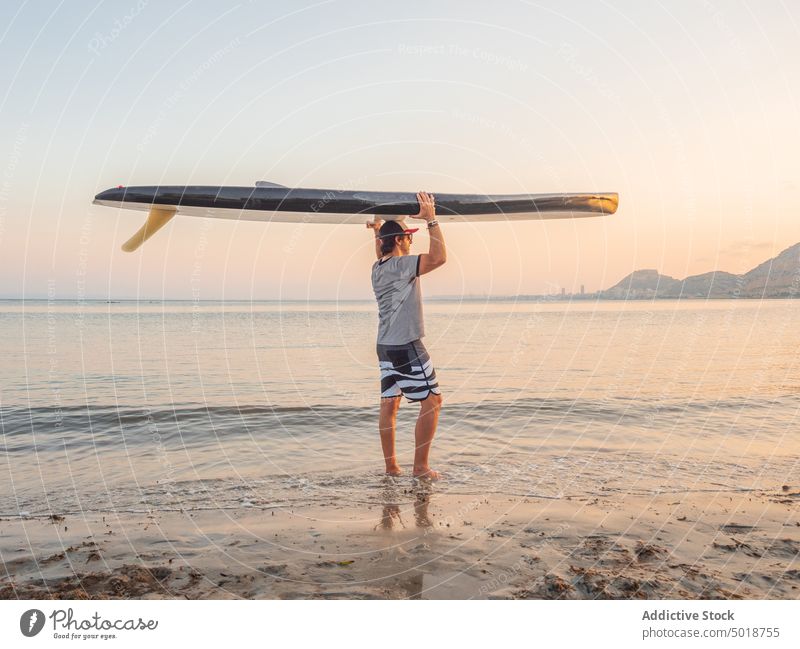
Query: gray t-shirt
point(397, 289)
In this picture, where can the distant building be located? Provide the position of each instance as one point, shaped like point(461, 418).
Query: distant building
point(582, 291)
point(563, 291)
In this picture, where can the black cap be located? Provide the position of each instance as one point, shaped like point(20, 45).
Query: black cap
point(394, 229)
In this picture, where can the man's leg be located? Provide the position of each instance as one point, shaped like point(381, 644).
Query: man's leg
point(386, 425)
point(423, 435)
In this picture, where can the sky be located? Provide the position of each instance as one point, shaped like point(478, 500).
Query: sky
point(688, 109)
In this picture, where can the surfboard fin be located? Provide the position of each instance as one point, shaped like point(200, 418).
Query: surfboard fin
point(156, 219)
point(265, 183)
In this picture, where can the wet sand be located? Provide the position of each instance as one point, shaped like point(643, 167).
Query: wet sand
point(421, 544)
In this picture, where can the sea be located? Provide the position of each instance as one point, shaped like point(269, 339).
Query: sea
point(141, 406)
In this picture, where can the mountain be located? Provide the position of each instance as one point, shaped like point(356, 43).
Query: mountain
point(776, 277)
point(642, 284)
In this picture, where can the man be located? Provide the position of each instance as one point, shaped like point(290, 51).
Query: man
point(406, 369)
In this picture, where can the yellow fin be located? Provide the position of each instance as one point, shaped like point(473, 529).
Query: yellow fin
point(156, 219)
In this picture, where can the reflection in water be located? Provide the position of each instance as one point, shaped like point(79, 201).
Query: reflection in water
point(390, 495)
point(395, 496)
point(391, 514)
point(421, 501)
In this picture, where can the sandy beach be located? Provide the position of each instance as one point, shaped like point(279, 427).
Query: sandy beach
point(421, 545)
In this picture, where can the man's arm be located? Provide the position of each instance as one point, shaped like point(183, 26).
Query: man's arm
point(437, 253)
point(375, 226)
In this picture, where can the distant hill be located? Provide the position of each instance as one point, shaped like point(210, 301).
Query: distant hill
point(776, 277)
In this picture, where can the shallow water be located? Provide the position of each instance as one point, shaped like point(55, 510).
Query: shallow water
point(169, 405)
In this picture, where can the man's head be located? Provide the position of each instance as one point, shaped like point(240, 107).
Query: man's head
point(394, 234)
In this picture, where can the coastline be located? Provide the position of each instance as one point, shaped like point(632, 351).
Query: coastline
point(421, 545)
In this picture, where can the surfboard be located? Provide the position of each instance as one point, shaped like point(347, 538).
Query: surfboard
point(275, 203)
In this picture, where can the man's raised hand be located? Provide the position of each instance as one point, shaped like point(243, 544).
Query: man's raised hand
point(427, 207)
point(375, 224)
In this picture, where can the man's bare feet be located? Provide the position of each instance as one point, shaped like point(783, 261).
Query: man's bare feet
point(394, 471)
point(426, 473)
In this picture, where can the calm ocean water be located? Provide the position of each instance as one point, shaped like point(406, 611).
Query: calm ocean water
point(167, 405)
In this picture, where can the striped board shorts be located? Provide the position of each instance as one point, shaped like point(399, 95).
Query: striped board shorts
point(407, 369)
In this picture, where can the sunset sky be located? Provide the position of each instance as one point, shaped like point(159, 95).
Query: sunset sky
point(689, 109)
